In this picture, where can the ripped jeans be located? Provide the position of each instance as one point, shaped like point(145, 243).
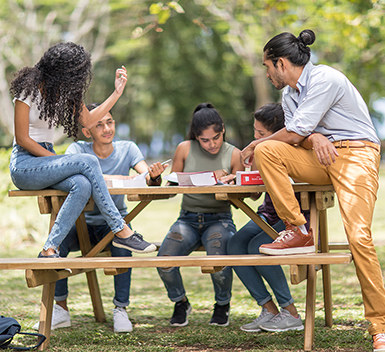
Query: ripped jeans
point(188, 233)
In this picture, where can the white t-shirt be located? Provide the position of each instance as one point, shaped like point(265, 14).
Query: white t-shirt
point(38, 129)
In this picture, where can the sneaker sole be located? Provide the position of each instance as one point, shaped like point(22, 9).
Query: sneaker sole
point(65, 324)
point(225, 324)
point(149, 249)
point(251, 330)
point(282, 330)
point(122, 331)
point(188, 311)
point(286, 251)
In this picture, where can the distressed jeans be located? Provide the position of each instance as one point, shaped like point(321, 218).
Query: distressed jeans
point(79, 174)
point(122, 282)
point(188, 233)
point(247, 241)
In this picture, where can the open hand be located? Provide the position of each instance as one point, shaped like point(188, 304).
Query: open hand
point(247, 154)
point(120, 80)
point(324, 149)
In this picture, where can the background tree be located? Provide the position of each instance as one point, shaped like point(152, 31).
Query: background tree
point(181, 53)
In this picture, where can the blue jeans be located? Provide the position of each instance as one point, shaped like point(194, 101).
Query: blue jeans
point(188, 233)
point(79, 174)
point(247, 241)
point(122, 282)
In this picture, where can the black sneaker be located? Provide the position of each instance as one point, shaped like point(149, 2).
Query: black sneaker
point(181, 312)
point(134, 243)
point(221, 315)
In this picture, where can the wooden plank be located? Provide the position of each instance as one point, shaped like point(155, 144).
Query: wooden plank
point(324, 199)
point(334, 246)
point(256, 218)
point(211, 269)
point(172, 190)
point(298, 273)
point(38, 277)
point(173, 261)
point(44, 204)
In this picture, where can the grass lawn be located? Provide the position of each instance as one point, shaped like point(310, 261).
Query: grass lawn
point(24, 231)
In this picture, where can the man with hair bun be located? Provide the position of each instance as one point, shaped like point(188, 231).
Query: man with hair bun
point(328, 138)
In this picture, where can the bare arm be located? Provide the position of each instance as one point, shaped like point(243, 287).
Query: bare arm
point(282, 135)
point(22, 131)
point(90, 118)
point(180, 156)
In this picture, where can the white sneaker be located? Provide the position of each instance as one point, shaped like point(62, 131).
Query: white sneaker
point(121, 321)
point(60, 318)
point(264, 317)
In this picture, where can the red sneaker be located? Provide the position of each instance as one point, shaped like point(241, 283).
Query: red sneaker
point(378, 342)
point(290, 241)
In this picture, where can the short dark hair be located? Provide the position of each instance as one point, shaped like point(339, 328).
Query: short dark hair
point(271, 116)
point(204, 116)
point(93, 106)
point(293, 48)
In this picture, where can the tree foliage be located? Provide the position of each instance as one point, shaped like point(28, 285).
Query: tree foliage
point(181, 53)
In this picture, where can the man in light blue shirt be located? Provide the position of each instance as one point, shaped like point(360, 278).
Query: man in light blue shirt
point(116, 158)
point(328, 138)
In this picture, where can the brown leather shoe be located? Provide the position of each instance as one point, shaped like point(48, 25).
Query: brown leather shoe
point(379, 342)
point(290, 241)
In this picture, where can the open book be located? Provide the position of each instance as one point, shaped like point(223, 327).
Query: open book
point(126, 183)
point(203, 178)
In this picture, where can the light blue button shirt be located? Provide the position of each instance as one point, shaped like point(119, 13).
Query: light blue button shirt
point(327, 102)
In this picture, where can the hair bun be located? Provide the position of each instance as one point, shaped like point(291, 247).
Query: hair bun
point(204, 106)
point(306, 37)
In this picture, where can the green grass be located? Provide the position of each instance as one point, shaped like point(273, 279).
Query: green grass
point(24, 230)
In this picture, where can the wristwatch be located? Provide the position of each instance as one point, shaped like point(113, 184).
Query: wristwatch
point(157, 179)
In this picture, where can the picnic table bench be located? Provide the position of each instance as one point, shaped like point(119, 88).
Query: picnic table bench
point(41, 271)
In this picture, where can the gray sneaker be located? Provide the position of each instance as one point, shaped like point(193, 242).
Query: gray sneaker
point(265, 316)
point(134, 243)
point(283, 321)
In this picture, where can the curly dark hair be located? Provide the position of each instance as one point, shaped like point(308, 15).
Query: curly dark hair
point(62, 77)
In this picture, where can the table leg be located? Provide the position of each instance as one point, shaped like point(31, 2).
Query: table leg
point(108, 238)
point(310, 308)
point(327, 290)
point(46, 307)
point(255, 217)
point(93, 285)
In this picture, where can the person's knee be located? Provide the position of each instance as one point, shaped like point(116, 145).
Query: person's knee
point(81, 185)
point(265, 150)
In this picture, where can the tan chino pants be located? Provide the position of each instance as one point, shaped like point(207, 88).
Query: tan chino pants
point(354, 176)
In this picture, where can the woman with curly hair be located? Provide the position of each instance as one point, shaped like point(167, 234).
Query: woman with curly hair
point(49, 95)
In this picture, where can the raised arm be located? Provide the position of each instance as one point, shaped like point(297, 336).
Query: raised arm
point(90, 118)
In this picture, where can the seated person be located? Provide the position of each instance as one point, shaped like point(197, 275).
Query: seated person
point(268, 119)
point(203, 220)
point(116, 158)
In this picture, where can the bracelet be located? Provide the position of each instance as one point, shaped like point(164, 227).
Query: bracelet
point(225, 172)
point(157, 179)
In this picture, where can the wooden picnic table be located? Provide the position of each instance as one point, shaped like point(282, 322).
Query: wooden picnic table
point(315, 198)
